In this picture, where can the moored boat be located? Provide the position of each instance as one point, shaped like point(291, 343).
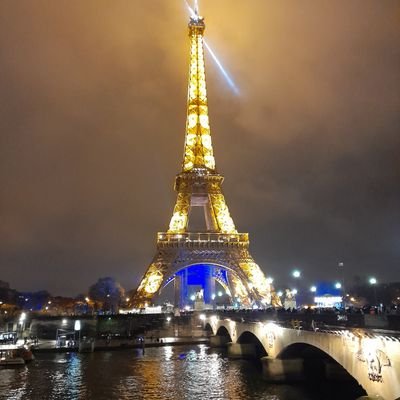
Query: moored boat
point(9, 358)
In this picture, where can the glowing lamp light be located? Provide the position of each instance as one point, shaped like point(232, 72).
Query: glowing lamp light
point(202, 317)
point(269, 280)
point(193, 297)
point(313, 289)
point(213, 296)
point(219, 293)
point(280, 293)
point(22, 317)
point(168, 319)
point(77, 325)
point(373, 281)
point(294, 291)
point(296, 273)
point(338, 285)
point(64, 321)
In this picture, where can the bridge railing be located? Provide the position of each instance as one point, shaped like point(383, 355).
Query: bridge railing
point(313, 320)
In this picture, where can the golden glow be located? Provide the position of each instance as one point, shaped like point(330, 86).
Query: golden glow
point(221, 212)
point(179, 218)
point(259, 282)
point(199, 185)
point(151, 281)
point(198, 145)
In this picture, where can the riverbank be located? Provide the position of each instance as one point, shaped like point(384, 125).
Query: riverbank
point(49, 346)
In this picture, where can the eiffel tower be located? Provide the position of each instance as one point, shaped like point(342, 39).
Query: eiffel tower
point(217, 253)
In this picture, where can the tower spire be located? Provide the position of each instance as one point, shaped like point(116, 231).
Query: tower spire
point(198, 151)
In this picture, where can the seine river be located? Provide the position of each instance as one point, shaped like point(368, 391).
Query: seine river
point(171, 372)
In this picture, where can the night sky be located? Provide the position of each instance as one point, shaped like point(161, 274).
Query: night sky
point(92, 119)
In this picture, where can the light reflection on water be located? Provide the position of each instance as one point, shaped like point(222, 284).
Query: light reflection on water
point(191, 373)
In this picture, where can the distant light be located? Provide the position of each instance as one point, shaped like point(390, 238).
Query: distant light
point(26, 299)
point(77, 325)
point(296, 273)
point(340, 264)
point(87, 299)
point(187, 308)
point(313, 289)
point(193, 297)
point(373, 281)
point(338, 285)
point(64, 321)
point(213, 296)
point(46, 308)
point(49, 302)
point(22, 317)
point(294, 291)
point(202, 317)
point(127, 299)
point(108, 295)
point(280, 293)
point(269, 280)
point(168, 319)
point(219, 293)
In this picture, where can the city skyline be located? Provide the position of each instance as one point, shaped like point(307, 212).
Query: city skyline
point(91, 136)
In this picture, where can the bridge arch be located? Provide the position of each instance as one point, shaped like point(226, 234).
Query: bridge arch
point(208, 329)
point(222, 331)
point(250, 338)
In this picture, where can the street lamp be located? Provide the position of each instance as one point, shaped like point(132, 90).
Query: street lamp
point(296, 273)
point(341, 267)
point(77, 327)
point(373, 282)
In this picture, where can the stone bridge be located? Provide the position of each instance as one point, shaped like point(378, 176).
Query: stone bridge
point(371, 357)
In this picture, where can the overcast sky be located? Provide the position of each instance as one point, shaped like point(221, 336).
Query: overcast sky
point(92, 118)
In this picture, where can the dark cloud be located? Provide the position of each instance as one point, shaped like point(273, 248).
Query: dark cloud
point(92, 115)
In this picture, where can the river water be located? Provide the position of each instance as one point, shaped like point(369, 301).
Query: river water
point(170, 372)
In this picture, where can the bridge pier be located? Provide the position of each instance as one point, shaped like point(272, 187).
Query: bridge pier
point(287, 370)
point(219, 341)
point(242, 350)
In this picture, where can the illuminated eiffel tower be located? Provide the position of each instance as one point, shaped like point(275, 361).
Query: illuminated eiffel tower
point(217, 253)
